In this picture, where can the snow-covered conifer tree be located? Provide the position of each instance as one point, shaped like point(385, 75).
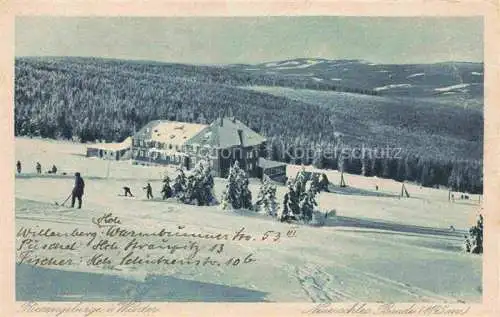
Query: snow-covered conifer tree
point(474, 241)
point(205, 184)
point(300, 200)
point(180, 184)
point(199, 186)
point(246, 194)
point(300, 181)
point(166, 189)
point(323, 183)
point(308, 202)
point(189, 194)
point(266, 200)
point(230, 197)
point(237, 194)
point(291, 200)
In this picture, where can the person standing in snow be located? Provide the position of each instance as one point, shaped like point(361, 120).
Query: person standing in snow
point(38, 168)
point(149, 191)
point(18, 166)
point(77, 192)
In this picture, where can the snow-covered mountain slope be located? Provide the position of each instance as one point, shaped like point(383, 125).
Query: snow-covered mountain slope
point(418, 80)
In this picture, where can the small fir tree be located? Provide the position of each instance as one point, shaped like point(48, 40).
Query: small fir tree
point(474, 241)
point(237, 194)
point(166, 189)
point(180, 184)
point(308, 202)
point(300, 200)
point(199, 186)
point(266, 200)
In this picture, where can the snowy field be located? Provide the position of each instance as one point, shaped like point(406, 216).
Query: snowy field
point(378, 248)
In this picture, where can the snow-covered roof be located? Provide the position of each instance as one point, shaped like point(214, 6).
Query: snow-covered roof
point(112, 146)
point(264, 163)
point(225, 133)
point(170, 132)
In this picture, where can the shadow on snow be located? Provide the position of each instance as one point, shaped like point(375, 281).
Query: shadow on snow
point(42, 284)
point(341, 221)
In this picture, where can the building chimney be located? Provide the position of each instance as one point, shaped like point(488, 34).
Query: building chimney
point(240, 134)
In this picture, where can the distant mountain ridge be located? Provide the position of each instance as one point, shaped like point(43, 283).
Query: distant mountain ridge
point(445, 79)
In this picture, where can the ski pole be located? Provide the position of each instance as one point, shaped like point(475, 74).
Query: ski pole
point(65, 200)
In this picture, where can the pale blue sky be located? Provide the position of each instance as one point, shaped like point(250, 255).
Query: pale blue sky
point(254, 40)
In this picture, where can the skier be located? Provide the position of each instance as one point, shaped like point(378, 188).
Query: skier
point(38, 168)
point(77, 192)
point(166, 190)
point(127, 191)
point(18, 166)
point(149, 191)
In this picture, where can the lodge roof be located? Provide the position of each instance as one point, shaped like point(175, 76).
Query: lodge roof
point(226, 133)
point(264, 163)
point(112, 146)
point(171, 132)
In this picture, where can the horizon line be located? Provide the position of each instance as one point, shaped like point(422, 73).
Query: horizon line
point(364, 61)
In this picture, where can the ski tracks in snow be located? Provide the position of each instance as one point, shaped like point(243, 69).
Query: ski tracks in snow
point(419, 293)
point(321, 286)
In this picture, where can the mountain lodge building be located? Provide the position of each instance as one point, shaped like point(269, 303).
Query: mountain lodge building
point(221, 143)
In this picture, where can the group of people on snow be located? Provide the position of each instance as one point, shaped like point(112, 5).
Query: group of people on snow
point(78, 190)
point(166, 190)
point(79, 185)
point(38, 168)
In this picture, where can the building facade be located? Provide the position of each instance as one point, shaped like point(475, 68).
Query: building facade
point(275, 171)
point(225, 141)
point(111, 151)
point(162, 142)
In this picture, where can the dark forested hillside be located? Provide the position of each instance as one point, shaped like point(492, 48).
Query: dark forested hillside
point(90, 99)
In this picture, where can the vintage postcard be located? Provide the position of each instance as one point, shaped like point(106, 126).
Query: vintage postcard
point(321, 158)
